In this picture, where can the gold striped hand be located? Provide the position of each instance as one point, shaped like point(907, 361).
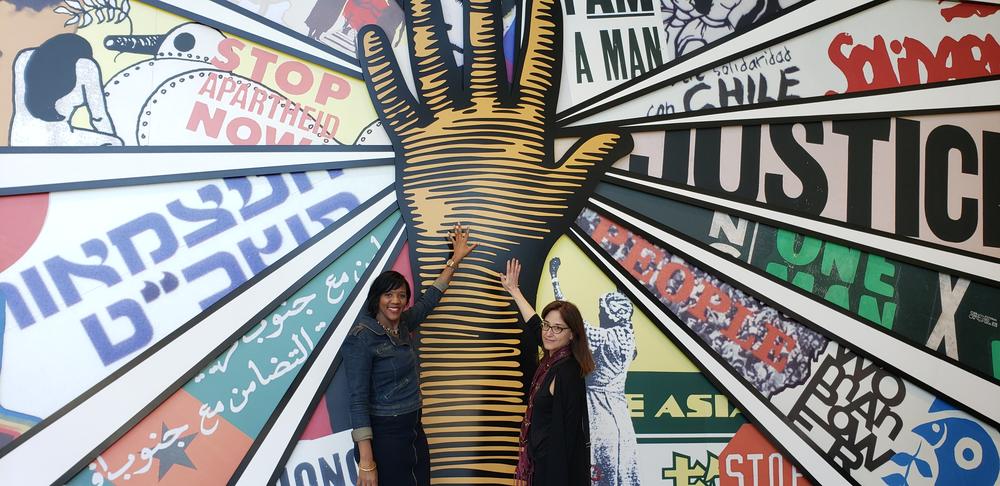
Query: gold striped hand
point(471, 149)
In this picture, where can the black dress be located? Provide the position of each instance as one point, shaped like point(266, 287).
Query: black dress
point(559, 432)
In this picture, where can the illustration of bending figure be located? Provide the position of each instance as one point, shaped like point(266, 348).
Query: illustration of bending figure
point(50, 83)
point(613, 446)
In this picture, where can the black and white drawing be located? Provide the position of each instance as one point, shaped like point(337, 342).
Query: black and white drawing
point(614, 458)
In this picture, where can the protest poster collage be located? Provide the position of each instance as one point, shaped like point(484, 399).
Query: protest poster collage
point(776, 217)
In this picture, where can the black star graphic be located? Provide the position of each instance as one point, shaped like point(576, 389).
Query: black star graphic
point(175, 453)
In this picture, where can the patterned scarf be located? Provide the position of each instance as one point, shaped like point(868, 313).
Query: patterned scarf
point(525, 468)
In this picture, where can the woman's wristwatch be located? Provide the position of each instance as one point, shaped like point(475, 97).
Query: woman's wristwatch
point(451, 263)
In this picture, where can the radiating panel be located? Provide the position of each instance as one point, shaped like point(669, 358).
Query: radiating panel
point(861, 415)
point(147, 77)
point(67, 441)
point(39, 170)
point(610, 44)
point(927, 308)
point(809, 15)
point(104, 274)
point(976, 393)
point(923, 179)
point(851, 51)
point(266, 367)
point(260, 29)
point(962, 97)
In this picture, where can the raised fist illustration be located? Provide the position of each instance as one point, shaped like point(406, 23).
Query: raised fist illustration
point(472, 149)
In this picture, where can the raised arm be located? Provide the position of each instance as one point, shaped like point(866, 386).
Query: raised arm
point(509, 281)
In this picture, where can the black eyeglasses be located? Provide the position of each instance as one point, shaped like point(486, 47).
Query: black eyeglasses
point(557, 330)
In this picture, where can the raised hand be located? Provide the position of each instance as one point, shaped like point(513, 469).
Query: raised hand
point(459, 238)
point(509, 279)
point(472, 149)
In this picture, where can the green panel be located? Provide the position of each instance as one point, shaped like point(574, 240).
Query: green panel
point(996, 359)
point(677, 402)
point(263, 363)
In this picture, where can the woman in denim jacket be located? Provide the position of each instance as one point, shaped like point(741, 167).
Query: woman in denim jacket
point(382, 376)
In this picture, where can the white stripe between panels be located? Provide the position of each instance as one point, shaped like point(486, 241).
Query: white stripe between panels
point(941, 376)
point(722, 437)
point(972, 96)
point(266, 459)
point(808, 457)
point(761, 36)
point(25, 170)
point(221, 13)
point(54, 450)
point(984, 269)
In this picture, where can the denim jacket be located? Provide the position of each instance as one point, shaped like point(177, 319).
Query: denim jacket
point(382, 369)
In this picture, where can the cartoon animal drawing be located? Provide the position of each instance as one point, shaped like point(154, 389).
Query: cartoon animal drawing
point(965, 453)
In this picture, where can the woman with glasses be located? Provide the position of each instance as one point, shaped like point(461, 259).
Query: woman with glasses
point(381, 364)
point(555, 432)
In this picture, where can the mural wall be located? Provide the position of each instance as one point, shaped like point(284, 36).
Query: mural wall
point(779, 218)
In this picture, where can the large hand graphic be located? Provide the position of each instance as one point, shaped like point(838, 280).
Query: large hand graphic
point(475, 151)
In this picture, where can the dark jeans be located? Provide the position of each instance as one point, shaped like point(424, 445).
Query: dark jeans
point(400, 449)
